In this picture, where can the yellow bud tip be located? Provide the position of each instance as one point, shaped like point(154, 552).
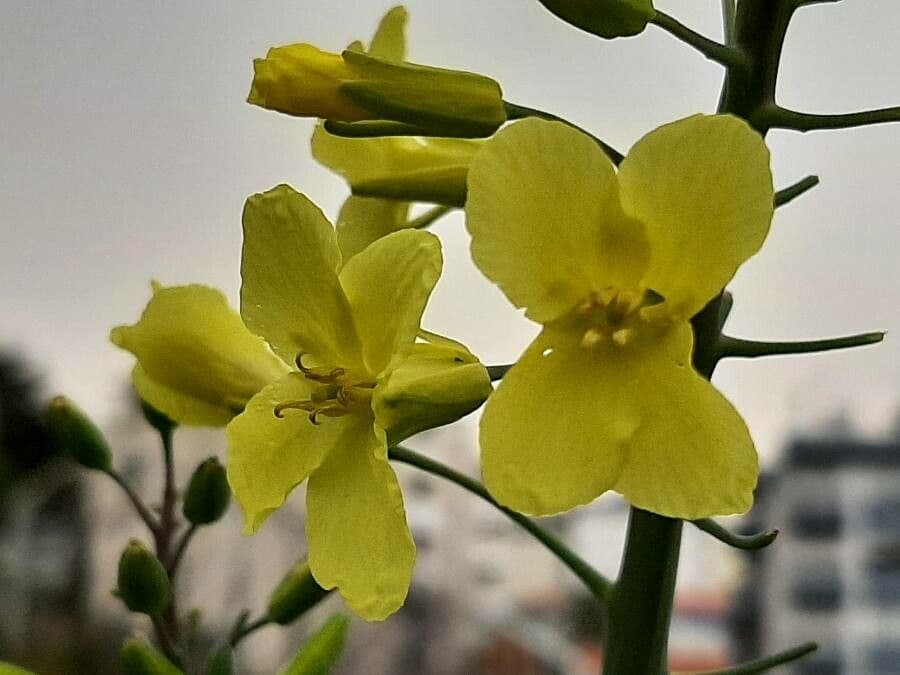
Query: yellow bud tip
point(623, 337)
point(592, 338)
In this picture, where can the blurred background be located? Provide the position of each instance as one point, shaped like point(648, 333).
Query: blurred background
point(126, 152)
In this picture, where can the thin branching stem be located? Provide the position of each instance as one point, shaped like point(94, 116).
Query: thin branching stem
point(791, 192)
point(429, 217)
point(180, 548)
point(776, 117)
point(731, 347)
point(750, 542)
point(245, 628)
point(768, 662)
point(725, 55)
point(140, 508)
point(596, 583)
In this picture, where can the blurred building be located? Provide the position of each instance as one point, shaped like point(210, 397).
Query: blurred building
point(833, 575)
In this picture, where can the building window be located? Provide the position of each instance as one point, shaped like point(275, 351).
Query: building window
point(818, 591)
point(816, 522)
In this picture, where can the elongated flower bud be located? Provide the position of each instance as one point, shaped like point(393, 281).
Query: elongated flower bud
point(322, 651)
point(207, 496)
point(139, 658)
point(143, 582)
point(296, 594)
point(304, 81)
point(77, 435)
point(606, 18)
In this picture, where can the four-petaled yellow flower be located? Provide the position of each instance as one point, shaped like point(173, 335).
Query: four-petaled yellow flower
point(614, 266)
point(346, 330)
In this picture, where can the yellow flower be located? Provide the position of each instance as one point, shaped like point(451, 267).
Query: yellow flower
point(304, 81)
point(614, 265)
point(197, 362)
point(349, 331)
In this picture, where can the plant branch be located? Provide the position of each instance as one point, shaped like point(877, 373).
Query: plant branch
point(774, 116)
point(149, 519)
point(597, 584)
point(728, 21)
point(518, 112)
point(429, 217)
point(731, 347)
point(242, 629)
point(180, 548)
point(731, 57)
point(791, 192)
point(769, 662)
point(750, 542)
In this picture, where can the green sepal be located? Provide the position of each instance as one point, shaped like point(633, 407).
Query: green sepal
point(606, 18)
point(221, 662)
point(208, 495)
point(438, 101)
point(445, 186)
point(439, 382)
point(10, 669)
point(295, 594)
point(143, 584)
point(139, 658)
point(322, 651)
point(157, 420)
point(77, 435)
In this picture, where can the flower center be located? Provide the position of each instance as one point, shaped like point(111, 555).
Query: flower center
point(335, 393)
point(614, 317)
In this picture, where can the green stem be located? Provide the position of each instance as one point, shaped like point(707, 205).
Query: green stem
point(731, 57)
point(728, 21)
point(769, 662)
point(791, 192)
point(180, 548)
point(750, 542)
point(517, 112)
point(244, 629)
point(776, 117)
point(731, 347)
point(429, 217)
point(497, 372)
point(641, 606)
point(145, 515)
point(596, 583)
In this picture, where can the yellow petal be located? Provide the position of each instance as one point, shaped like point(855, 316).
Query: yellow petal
point(703, 189)
point(356, 525)
point(389, 42)
point(268, 456)
point(545, 221)
point(692, 456)
point(363, 220)
point(553, 435)
point(388, 285)
point(290, 293)
point(197, 362)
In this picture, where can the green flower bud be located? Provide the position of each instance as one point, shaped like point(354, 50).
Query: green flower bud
point(77, 435)
point(438, 383)
point(143, 582)
point(296, 594)
point(322, 651)
point(207, 496)
point(222, 662)
point(606, 18)
point(139, 658)
point(10, 669)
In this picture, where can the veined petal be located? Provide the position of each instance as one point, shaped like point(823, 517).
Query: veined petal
point(389, 41)
point(703, 189)
point(388, 285)
point(554, 433)
point(197, 362)
point(543, 211)
point(290, 293)
point(692, 456)
point(363, 220)
point(268, 456)
point(356, 527)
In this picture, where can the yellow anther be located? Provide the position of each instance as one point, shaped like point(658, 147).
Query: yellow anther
point(623, 337)
point(592, 338)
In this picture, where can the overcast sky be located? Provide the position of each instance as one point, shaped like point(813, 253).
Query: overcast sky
point(127, 150)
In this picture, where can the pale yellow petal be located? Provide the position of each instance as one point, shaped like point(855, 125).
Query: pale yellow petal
point(362, 220)
point(389, 42)
point(268, 455)
point(703, 189)
point(359, 541)
point(290, 293)
point(388, 285)
point(545, 220)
